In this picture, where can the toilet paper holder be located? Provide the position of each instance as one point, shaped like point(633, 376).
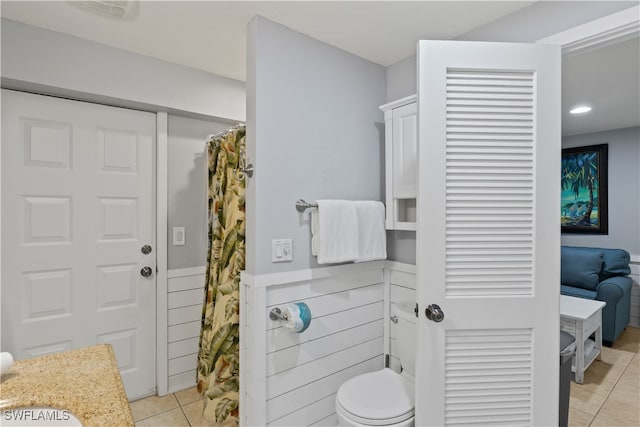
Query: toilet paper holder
point(296, 317)
point(277, 314)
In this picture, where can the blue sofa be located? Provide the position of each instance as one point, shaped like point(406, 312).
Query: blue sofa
point(600, 274)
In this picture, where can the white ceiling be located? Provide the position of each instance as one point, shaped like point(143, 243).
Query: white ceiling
point(211, 36)
point(608, 80)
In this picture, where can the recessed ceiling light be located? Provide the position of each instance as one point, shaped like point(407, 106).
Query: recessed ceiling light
point(580, 109)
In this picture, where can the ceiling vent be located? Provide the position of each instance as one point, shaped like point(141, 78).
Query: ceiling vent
point(115, 9)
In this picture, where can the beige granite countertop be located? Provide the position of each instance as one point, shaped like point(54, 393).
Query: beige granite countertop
point(86, 382)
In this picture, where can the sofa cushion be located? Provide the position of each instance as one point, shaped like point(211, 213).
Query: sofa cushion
point(577, 292)
point(580, 267)
point(615, 263)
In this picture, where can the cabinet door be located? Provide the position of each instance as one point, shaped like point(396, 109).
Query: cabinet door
point(405, 151)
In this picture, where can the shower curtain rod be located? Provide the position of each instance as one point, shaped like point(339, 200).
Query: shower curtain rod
point(231, 129)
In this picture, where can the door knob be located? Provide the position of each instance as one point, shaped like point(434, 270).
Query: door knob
point(146, 271)
point(434, 312)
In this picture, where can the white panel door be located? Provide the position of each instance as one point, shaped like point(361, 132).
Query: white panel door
point(77, 189)
point(488, 233)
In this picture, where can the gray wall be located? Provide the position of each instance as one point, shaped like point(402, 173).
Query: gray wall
point(314, 131)
point(624, 189)
point(401, 246)
point(53, 63)
point(187, 188)
point(529, 24)
point(402, 78)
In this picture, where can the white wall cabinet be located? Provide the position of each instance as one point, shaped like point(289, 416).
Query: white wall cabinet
point(401, 162)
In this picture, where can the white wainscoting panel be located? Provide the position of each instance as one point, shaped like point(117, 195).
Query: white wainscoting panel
point(295, 379)
point(184, 301)
point(635, 291)
point(402, 287)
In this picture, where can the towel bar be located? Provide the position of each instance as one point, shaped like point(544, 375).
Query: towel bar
point(302, 205)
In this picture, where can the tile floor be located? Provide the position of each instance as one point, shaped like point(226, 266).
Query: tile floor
point(181, 409)
point(610, 395)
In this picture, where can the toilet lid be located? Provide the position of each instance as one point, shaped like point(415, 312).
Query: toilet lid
point(377, 395)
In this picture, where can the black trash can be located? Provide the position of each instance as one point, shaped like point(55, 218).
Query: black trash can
point(567, 349)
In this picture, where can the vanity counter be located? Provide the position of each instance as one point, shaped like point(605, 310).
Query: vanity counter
point(85, 381)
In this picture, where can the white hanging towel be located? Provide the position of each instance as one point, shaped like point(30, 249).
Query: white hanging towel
point(334, 228)
point(372, 243)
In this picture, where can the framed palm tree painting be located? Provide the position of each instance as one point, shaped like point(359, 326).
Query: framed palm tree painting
point(584, 189)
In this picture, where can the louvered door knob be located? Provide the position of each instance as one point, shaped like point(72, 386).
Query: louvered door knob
point(434, 312)
point(146, 271)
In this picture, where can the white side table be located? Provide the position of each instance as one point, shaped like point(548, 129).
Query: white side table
point(582, 317)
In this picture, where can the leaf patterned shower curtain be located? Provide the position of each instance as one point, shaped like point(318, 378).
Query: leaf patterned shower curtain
point(218, 357)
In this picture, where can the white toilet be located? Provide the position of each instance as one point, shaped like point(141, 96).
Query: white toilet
point(384, 398)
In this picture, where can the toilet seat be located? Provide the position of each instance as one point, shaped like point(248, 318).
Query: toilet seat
point(377, 398)
point(372, 422)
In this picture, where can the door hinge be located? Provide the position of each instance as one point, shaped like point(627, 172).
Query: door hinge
point(386, 360)
point(415, 310)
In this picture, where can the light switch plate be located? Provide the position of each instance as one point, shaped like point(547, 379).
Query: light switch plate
point(281, 250)
point(179, 236)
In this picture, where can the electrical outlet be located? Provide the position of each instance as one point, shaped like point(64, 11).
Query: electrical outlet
point(281, 250)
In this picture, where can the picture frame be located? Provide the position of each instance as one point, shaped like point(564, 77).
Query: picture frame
point(584, 190)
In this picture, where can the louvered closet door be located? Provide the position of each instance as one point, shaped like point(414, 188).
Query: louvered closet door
point(488, 233)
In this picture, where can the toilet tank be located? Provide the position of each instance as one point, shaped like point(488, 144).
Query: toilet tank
point(406, 336)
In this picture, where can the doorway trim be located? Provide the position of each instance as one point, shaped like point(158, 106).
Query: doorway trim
point(162, 208)
point(609, 29)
